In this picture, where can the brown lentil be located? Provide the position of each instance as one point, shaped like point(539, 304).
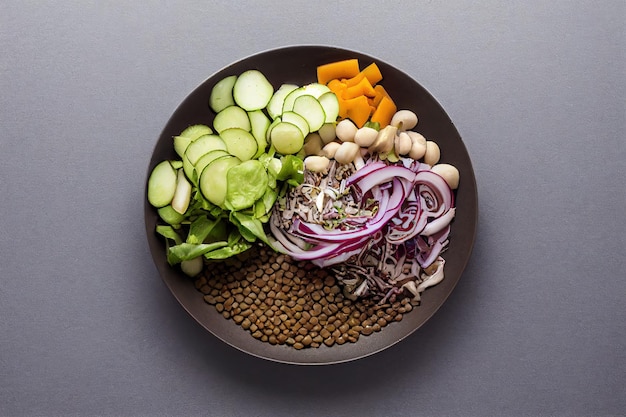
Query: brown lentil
point(285, 302)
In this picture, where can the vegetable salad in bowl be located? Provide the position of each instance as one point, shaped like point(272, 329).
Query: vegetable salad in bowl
point(332, 172)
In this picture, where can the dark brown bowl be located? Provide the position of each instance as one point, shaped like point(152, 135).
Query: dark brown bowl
point(296, 64)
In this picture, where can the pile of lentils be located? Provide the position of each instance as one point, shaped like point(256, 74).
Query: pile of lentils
point(286, 302)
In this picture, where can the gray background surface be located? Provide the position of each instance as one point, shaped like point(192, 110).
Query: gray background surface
point(535, 327)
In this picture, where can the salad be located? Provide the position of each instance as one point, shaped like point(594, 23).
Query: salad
point(330, 172)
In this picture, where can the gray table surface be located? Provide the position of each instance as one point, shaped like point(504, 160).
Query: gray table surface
point(536, 325)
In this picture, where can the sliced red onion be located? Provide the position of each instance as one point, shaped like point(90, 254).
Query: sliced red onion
point(388, 209)
point(439, 223)
point(429, 253)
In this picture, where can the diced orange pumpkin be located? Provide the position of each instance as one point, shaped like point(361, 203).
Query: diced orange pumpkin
point(384, 111)
point(337, 87)
point(357, 109)
point(360, 96)
point(380, 92)
point(372, 73)
point(363, 88)
point(354, 80)
point(337, 70)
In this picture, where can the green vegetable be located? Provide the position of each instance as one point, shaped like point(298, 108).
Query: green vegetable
point(249, 227)
point(222, 94)
point(200, 229)
point(187, 251)
point(240, 143)
point(162, 184)
point(292, 170)
point(259, 124)
point(170, 216)
point(169, 233)
point(213, 183)
point(311, 110)
point(215, 200)
point(245, 184)
point(275, 106)
point(193, 266)
point(232, 116)
point(286, 138)
point(252, 91)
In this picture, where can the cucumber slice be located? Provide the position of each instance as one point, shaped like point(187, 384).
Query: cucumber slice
point(271, 126)
point(213, 182)
point(259, 124)
point(192, 267)
point(176, 164)
point(206, 159)
point(193, 132)
point(188, 135)
point(240, 143)
point(330, 104)
point(170, 216)
point(296, 119)
point(312, 111)
point(275, 106)
point(197, 149)
point(252, 91)
point(222, 94)
point(233, 116)
point(182, 195)
point(286, 138)
point(180, 144)
point(162, 184)
point(313, 89)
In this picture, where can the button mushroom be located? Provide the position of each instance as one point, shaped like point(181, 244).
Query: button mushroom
point(316, 163)
point(402, 143)
point(449, 173)
point(404, 120)
point(365, 136)
point(418, 145)
point(329, 149)
point(432, 155)
point(346, 152)
point(384, 141)
point(345, 130)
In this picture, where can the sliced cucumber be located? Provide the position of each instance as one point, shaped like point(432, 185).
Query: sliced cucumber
point(182, 195)
point(204, 145)
point(313, 89)
point(271, 126)
point(213, 182)
point(233, 116)
point(180, 144)
point(286, 138)
point(206, 159)
point(176, 163)
point(197, 149)
point(170, 216)
point(275, 106)
point(312, 111)
point(162, 184)
point(192, 267)
point(327, 132)
point(240, 143)
point(188, 135)
point(330, 104)
point(296, 119)
point(222, 94)
point(252, 91)
point(193, 132)
point(259, 124)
